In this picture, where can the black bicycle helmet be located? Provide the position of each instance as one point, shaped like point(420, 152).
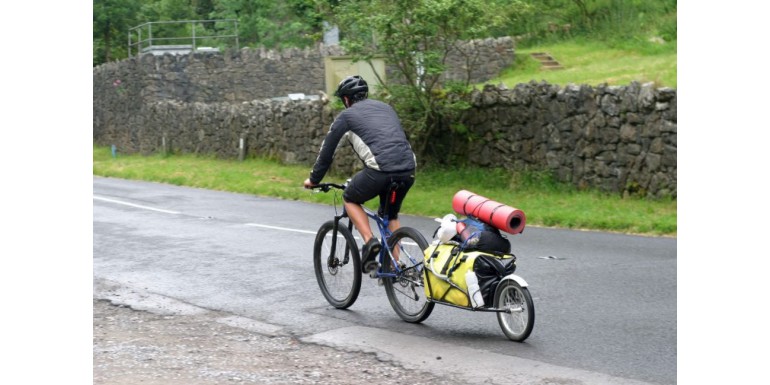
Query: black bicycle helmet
point(351, 86)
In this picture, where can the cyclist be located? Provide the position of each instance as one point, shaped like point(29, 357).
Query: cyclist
point(375, 133)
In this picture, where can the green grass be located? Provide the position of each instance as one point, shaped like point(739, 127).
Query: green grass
point(545, 202)
point(594, 63)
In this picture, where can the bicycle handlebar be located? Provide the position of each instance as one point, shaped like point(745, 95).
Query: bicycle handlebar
point(325, 187)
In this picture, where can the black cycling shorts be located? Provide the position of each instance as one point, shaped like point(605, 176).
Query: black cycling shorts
point(368, 183)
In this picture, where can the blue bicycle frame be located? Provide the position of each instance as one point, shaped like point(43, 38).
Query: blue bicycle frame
point(385, 254)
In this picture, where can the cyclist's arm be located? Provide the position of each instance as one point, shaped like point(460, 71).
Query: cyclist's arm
point(328, 147)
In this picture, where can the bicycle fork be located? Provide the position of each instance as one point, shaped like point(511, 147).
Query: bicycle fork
point(332, 261)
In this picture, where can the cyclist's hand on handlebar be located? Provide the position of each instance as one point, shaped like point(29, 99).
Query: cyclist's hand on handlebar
point(308, 184)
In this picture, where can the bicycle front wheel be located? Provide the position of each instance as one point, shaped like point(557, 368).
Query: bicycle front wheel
point(337, 265)
point(519, 318)
point(406, 292)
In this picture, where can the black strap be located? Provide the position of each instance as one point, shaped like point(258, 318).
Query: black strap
point(477, 209)
point(446, 265)
point(493, 213)
point(465, 210)
point(452, 257)
point(458, 263)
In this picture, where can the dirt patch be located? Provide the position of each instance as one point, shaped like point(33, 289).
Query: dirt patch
point(138, 347)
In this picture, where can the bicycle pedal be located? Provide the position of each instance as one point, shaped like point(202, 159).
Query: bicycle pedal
point(371, 267)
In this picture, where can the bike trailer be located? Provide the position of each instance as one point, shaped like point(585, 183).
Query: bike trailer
point(445, 270)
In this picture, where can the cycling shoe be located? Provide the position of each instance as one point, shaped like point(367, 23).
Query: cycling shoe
point(369, 255)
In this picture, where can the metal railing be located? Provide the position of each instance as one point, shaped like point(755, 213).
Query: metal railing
point(157, 35)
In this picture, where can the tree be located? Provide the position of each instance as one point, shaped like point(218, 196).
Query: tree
point(203, 8)
point(112, 19)
point(272, 24)
point(168, 10)
point(416, 37)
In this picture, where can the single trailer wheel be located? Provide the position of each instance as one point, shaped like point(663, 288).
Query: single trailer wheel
point(519, 316)
point(337, 265)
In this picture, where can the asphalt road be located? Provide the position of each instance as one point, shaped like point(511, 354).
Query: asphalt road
point(605, 303)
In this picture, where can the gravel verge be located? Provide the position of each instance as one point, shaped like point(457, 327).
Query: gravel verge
point(139, 347)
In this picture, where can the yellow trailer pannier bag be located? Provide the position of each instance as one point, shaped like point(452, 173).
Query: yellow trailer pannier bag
point(444, 273)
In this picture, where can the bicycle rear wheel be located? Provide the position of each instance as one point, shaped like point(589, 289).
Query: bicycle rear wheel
point(517, 324)
point(337, 265)
point(406, 292)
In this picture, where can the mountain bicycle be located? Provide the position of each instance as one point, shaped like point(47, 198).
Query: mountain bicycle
point(337, 262)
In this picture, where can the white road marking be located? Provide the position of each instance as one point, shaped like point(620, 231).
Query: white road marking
point(281, 228)
point(135, 205)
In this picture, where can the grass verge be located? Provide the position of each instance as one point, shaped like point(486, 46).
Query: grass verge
point(594, 63)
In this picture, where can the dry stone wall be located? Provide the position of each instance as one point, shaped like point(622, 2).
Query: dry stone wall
point(479, 60)
point(617, 139)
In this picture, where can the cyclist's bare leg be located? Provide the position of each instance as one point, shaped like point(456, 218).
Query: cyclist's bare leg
point(360, 220)
point(393, 225)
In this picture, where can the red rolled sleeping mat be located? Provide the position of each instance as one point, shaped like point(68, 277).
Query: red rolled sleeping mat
point(502, 217)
